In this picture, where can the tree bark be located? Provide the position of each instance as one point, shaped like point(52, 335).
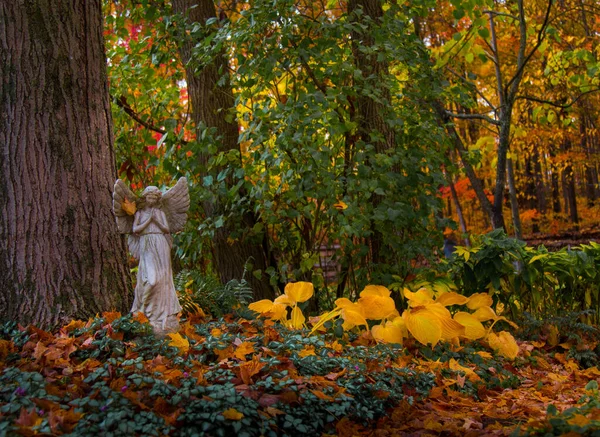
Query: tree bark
point(211, 102)
point(514, 207)
point(60, 253)
point(372, 128)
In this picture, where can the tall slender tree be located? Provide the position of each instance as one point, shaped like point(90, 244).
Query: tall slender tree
point(60, 253)
point(212, 100)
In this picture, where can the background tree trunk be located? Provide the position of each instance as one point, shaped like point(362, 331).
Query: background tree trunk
point(210, 105)
point(60, 253)
point(370, 112)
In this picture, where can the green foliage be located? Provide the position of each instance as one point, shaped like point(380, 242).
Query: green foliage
point(522, 278)
point(207, 293)
point(123, 386)
point(296, 84)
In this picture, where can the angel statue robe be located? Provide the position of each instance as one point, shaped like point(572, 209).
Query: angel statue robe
point(155, 294)
point(149, 229)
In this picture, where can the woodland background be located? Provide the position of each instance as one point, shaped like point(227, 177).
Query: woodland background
point(329, 146)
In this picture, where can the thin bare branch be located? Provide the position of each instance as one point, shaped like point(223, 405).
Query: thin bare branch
point(121, 102)
point(556, 104)
point(473, 117)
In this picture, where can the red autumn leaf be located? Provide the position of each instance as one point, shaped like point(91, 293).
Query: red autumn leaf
point(249, 369)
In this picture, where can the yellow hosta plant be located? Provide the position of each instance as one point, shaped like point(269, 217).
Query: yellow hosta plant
point(427, 318)
point(294, 293)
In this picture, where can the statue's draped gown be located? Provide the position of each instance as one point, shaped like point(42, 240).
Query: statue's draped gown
point(155, 293)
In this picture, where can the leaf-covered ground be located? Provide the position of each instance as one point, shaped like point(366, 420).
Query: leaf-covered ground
point(109, 376)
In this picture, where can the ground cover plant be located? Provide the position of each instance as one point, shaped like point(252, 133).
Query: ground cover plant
point(248, 376)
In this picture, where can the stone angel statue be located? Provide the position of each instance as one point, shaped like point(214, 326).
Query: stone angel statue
point(150, 220)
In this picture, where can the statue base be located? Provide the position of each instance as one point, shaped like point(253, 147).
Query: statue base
point(170, 326)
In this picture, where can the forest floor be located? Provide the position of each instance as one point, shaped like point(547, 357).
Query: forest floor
point(546, 402)
point(564, 239)
point(232, 376)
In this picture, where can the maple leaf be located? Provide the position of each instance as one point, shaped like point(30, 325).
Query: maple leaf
point(249, 369)
point(307, 351)
point(140, 317)
point(244, 349)
point(128, 206)
point(232, 414)
point(73, 325)
point(179, 342)
point(111, 316)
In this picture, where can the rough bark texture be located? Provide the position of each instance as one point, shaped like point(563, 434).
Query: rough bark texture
point(210, 103)
point(60, 254)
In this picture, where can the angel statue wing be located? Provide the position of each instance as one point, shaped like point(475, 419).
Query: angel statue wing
point(124, 202)
point(124, 207)
point(175, 203)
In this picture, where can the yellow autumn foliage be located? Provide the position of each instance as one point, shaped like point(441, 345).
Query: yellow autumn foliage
point(376, 302)
point(299, 291)
point(479, 300)
point(504, 344)
point(473, 327)
point(388, 333)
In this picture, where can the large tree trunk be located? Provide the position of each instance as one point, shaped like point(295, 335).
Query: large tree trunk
point(60, 253)
point(211, 102)
point(372, 128)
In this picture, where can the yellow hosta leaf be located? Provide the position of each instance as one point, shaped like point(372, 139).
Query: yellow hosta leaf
point(278, 312)
point(504, 344)
point(343, 302)
point(452, 298)
point(179, 342)
point(424, 325)
point(473, 327)
point(439, 310)
point(262, 306)
point(376, 307)
point(390, 333)
point(451, 328)
point(284, 299)
point(232, 414)
point(422, 297)
point(297, 319)
point(479, 300)
point(513, 324)
point(399, 322)
point(324, 318)
point(352, 313)
point(128, 207)
point(375, 290)
point(484, 313)
point(353, 317)
point(267, 308)
point(299, 291)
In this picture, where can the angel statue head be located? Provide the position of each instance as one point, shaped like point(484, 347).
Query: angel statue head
point(151, 195)
point(150, 220)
